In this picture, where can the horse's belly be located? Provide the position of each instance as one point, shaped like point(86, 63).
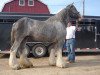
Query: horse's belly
point(43, 38)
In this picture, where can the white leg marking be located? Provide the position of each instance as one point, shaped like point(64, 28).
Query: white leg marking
point(13, 63)
point(60, 62)
point(52, 58)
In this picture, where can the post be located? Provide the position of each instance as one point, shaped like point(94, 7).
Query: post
point(83, 7)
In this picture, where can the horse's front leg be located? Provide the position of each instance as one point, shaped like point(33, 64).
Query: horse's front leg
point(60, 61)
point(13, 63)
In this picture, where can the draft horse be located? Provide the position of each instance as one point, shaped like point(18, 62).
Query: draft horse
point(52, 30)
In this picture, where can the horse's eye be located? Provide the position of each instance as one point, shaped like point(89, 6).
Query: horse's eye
point(71, 6)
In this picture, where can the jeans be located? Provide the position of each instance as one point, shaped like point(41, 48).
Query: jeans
point(70, 44)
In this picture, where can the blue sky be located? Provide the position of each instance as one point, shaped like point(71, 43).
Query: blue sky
point(91, 6)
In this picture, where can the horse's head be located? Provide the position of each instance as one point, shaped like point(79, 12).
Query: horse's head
point(72, 12)
point(66, 14)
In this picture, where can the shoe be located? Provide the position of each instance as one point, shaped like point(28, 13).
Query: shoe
point(71, 62)
point(68, 62)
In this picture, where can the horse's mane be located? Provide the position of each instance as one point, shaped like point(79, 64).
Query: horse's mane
point(60, 16)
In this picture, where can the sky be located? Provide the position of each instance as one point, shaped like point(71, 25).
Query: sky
point(91, 6)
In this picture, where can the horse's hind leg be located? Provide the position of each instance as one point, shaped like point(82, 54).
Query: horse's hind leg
point(24, 61)
point(52, 58)
point(13, 63)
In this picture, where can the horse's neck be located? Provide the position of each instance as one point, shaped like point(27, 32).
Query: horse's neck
point(58, 17)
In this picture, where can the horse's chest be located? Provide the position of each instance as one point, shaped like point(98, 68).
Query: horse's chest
point(60, 28)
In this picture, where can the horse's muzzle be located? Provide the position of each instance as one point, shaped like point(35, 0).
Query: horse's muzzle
point(80, 18)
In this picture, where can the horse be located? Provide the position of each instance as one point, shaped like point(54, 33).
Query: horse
point(52, 30)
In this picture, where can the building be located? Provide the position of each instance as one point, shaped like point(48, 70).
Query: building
point(26, 6)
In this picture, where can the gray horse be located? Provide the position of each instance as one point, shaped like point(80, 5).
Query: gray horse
point(52, 30)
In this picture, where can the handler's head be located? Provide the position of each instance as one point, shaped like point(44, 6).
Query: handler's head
point(69, 24)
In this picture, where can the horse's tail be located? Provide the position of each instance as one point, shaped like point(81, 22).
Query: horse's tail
point(18, 28)
point(12, 35)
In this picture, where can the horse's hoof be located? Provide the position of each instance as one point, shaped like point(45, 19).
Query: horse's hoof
point(52, 64)
point(63, 65)
point(16, 68)
point(31, 66)
point(27, 65)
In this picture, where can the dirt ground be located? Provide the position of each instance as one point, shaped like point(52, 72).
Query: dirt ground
point(84, 65)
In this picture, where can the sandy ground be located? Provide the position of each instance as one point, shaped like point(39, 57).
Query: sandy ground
point(84, 65)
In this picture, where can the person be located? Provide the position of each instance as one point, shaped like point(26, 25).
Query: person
point(70, 41)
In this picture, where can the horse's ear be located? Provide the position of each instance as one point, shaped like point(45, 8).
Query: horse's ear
point(72, 4)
